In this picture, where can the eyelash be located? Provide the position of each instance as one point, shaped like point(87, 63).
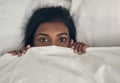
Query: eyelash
point(43, 40)
point(63, 39)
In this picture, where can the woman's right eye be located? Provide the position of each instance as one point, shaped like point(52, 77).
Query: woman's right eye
point(43, 40)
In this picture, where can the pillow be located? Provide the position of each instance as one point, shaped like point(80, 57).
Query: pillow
point(13, 16)
point(11, 31)
point(97, 21)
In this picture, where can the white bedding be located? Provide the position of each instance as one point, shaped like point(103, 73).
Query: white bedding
point(54, 64)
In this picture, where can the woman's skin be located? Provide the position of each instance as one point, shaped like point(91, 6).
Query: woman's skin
point(53, 33)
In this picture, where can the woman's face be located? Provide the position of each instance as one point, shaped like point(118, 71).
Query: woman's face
point(52, 33)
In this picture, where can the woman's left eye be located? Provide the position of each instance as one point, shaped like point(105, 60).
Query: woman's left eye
point(43, 40)
point(62, 39)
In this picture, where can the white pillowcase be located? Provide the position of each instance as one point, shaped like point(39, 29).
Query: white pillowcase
point(11, 22)
point(97, 21)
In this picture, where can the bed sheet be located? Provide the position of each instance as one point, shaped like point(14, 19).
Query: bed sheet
point(54, 64)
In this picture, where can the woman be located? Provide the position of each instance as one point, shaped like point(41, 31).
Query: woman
point(51, 26)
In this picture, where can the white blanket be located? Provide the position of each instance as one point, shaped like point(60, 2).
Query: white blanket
point(54, 64)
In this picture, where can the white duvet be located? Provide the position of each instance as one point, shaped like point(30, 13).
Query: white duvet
point(54, 64)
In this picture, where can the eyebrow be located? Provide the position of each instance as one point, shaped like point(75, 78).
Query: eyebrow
point(43, 34)
point(48, 35)
point(62, 34)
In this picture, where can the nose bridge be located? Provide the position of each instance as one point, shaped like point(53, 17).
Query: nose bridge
point(53, 40)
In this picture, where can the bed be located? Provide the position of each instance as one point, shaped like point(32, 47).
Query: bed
point(98, 25)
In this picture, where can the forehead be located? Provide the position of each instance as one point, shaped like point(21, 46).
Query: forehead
point(51, 27)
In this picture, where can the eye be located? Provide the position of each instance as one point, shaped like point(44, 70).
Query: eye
point(43, 40)
point(62, 39)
